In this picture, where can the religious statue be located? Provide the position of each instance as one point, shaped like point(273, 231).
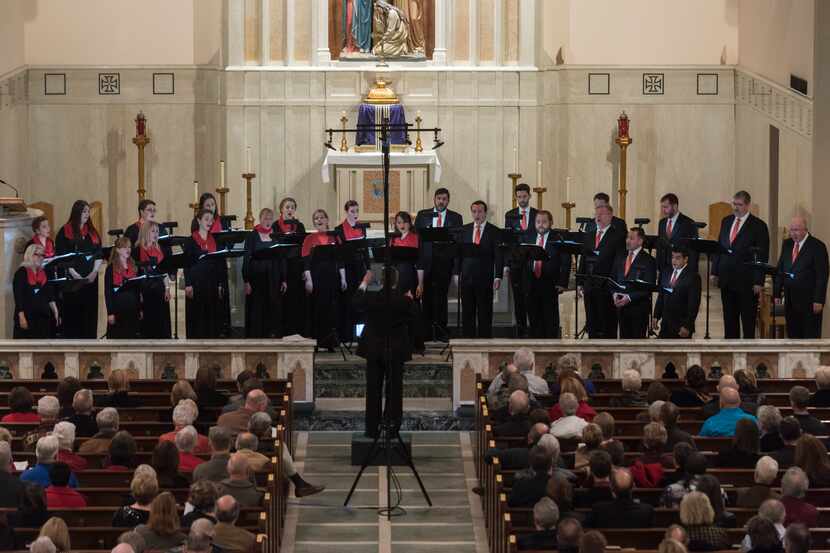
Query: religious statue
point(383, 29)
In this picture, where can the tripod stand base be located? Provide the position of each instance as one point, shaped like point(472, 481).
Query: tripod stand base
point(361, 444)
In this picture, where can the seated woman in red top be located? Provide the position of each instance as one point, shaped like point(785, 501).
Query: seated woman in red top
point(574, 386)
point(59, 495)
point(65, 433)
point(186, 443)
point(20, 406)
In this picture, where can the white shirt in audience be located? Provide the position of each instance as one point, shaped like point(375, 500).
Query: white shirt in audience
point(568, 427)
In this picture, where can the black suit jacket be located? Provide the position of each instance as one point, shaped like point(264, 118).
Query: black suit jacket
point(393, 320)
point(729, 267)
point(616, 222)
point(808, 283)
point(513, 220)
point(541, 540)
point(489, 263)
point(684, 227)
point(622, 513)
point(430, 254)
point(679, 308)
point(642, 268)
point(557, 269)
point(527, 491)
point(613, 242)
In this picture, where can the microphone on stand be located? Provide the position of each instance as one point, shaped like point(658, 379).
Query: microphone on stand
point(16, 191)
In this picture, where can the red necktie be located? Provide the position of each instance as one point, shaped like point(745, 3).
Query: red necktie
point(628, 262)
point(795, 252)
point(735, 228)
point(524, 220)
point(673, 279)
point(537, 265)
point(440, 220)
point(668, 228)
point(598, 239)
point(477, 235)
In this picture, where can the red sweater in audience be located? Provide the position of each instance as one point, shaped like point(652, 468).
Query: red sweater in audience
point(584, 411)
point(800, 511)
point(63, 497)
point(188, 462)
point(202, 444)
point(21, 417)
point(75, 462)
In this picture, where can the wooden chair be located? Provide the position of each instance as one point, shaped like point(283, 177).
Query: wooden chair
point(96, 215)
point(717, 212)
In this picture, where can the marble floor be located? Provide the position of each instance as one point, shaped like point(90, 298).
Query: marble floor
point(321, 524)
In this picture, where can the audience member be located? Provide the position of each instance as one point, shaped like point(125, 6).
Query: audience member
point(66, 393)
point(162, 530)
point(799, 401)
point(550, 445)
point(46, 451)
point(790, 433)
point(569, 535)
point(203, 496)
point(184, 415)
point(763, 535)
point(200, 538)
point(716, 404)
point(569, 425)
point(689, 470)
point(237, 421)
point(11, 489)
point(744, 452)
point(616, 450)
point(592, 542)
point(47, 410)
point(561, 491)
point(499, 394)
point(166, 462)
point(121, 457)
point(186, 439)
point(247, 445)
point(648, 468)
point(65, 433)
point(144, 488)
point(632, 394)
point(42, 545)
point(694, 393)
point(766, 471)
point(797, 539)
point(20, 406)
point(724, 422)
point(822, 396)
point(134, 540)
point(811, 456)
point(524, 360)
point(710, 485)
point(677, 533)
point(205, 387)
point(794, 486)
point(527, 491)
point(56, 530)
point(82, 416)
point(769, 422)
point(260, 426)
point(216, 469)
point(669, 413)
point(592, 438)
point(59, 495)
point(748, 387)
point(623, 511)
point(773, 511)
point(118, 383)
point(229, 536)
point(517, 422)
point(573, 385)
point(698, 517)
point(598, 483)
point(606, 422)
point(669, 545)
point(238, 483)
point(32, 511)
point(545, 519)
point(107, 421)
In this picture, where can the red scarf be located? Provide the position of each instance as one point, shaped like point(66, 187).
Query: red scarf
point(351, 233)
point(85, 232)
point(36, 278)
point(216, 226)
point(120, 275)
point(318, 239)
point(264, 230)
point(48, 246)
point(208, 245)
point(411, 241)
point(144, 254)
point(284, 227)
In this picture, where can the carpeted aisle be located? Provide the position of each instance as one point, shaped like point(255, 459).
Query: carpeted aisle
point(320, 524)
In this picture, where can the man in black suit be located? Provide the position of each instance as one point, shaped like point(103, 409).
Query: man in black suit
point(802, 280)
point(600, 249)
point(634, 306)
point(479, 275)
point(678, 307)
point(743, 236)
point(527, 491)
point(545, 280)
point(672, 229)
point(520, 220)
point(624, 511)
point(437, 264)
point(602, 199)
point(545, 518)
point(386, 343)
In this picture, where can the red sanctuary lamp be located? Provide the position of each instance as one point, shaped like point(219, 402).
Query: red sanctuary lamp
point(141, 140)
point(623, 140)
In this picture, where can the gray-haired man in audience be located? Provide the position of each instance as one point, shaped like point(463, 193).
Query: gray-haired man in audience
point(773, 511)
point(216, 469)
point(99, 444)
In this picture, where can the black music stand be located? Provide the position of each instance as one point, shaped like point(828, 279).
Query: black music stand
point(710, 248)
point(572, 244)
point(170, 265)
point(771, 270)
point(442, 238)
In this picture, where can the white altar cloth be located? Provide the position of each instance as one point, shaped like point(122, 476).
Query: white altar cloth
point(375, 159)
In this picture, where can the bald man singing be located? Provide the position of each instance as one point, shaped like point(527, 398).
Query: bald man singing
point(802, 281)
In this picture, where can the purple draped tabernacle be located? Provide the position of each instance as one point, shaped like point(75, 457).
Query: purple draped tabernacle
point(371, 114)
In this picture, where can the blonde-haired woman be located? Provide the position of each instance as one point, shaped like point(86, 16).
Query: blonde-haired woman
point(35, 309)
point(123, 301)
point(155, 293)
point(162, 530)
point(698, 517)
point(56, 530)
point(144, 488)
point(324, 281)
point(265, 281)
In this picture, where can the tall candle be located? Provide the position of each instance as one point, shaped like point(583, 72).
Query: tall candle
point(568, 189)
point(539, 173)
point(248, 152)
point(515, 155)
point(221, 174)
point(195, 192)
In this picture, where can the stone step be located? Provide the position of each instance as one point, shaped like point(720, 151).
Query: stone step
point(353, 421)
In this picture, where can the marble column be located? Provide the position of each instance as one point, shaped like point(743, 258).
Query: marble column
point(439, 53)
point(322, 55)
point(16, 231)
point(235, 32)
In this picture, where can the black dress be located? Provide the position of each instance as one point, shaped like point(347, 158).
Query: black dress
point(205, 312)
point(32, 297)
point(355, 267)
point(127, 517)
point(156, 321)
point(123, 301)
point(80, 307)
point(263, 307)
point(220, 224)
point(325, 276)
point(294, 302)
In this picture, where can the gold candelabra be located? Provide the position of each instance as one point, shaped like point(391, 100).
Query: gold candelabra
point(141, 140)
point(568, 207)
point(515, 178)
point(623, 140)
point(540, 190)
point(249, 213)
point(419, 146)
point(344, 144)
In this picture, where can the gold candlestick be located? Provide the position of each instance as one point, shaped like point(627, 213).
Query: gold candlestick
point(222, 191)
point(195, 207)
point(515, 178)
point(623, 140)
point(249, 214)
point(344, 144)
point(141, 141)
point(540, 190)
point(419, 146)
point(568, 207)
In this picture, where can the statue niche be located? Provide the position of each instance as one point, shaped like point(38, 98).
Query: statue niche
point(367, 30)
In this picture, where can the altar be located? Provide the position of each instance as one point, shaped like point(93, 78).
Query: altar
point(413, 177)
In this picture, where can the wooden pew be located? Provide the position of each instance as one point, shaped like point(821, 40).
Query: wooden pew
point(96, 537)
point(780, 385)
point(138, 385)
point(102, 515)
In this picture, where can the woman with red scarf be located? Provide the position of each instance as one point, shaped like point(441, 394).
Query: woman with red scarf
point(123, 301)
point(34, 302)
point(155, 293)
point(410, 275)
point(294, 307)
point(41, 229)
point(207, 201)
point(206, 283)
point(324, 281)
point(264, 282)
point(357, 269)
point(80, 307)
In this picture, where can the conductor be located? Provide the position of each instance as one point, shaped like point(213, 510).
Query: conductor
point(386, 343)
